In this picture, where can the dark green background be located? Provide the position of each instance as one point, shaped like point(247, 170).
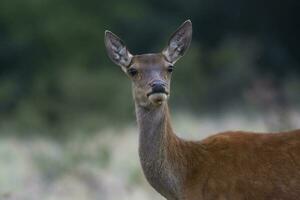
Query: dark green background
point(55, 75)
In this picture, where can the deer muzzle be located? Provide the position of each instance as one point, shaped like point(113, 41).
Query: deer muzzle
point(158, 93)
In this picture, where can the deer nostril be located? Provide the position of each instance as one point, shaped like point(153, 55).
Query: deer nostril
point(158, 88)
point(155, 83)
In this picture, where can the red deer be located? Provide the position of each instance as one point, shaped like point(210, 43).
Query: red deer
point(233, 165)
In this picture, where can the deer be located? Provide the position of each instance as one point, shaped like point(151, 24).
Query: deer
point(231, 165)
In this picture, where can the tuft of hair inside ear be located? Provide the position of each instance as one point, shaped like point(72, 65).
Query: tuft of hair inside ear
point(117, 50)
point(179, 42)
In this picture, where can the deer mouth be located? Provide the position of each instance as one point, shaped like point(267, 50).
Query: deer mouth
point(157, 97)
point(152, 93)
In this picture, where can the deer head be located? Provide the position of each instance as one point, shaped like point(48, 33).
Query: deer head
point(150, 73)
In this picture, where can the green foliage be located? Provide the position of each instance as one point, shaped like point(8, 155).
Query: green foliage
point(55, 73)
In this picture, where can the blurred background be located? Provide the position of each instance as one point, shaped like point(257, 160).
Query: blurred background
point(67, 123)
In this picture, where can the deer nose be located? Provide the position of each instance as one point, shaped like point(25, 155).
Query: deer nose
point(158, 87)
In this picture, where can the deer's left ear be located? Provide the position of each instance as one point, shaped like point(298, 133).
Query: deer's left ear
point(116, 50)
point(179, 42)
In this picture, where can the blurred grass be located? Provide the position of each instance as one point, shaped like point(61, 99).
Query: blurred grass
point(103, 165)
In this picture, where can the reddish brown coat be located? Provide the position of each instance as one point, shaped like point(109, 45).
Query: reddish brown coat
point(240, 165)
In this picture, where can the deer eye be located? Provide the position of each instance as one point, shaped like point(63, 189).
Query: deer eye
point(170, 68)
point(132, 72)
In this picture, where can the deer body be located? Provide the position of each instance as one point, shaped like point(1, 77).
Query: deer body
point(226, 166)
point(231, 165)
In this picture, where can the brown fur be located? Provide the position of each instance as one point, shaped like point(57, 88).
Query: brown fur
point(230, 165)
point(243, 165)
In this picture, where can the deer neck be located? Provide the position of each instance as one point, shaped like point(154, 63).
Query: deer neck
point(155, 138)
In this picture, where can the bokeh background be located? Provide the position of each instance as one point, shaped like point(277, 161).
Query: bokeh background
point(67, 123)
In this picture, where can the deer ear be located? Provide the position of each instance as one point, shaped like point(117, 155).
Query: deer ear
point(179, 42)
point(116, 50)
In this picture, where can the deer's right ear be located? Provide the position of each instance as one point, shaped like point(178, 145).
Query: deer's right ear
point(116, 50)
